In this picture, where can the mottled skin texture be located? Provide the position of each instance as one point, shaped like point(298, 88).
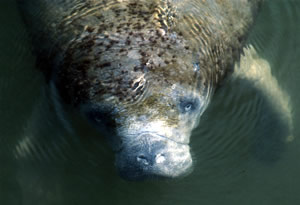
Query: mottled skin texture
point(143, 71)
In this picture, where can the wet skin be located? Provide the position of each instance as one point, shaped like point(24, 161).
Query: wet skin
point(142, 72)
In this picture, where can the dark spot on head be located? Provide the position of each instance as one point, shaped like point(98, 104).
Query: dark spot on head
point(141, 36)
point(136, 68)
point(108, 47)
point(107, 64)
point(133, 5)
point(90, 29)
point(90, 43)
point(114, 42)
point(128, 42)
point(100, 29)
point(143, 53)
point(122, 49)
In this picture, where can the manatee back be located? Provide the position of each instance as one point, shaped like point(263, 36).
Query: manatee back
point(214, 30)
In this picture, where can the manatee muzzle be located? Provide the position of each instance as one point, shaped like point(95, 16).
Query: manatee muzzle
point(153, 156)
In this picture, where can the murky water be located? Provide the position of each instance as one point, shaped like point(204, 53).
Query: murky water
point(51, 156)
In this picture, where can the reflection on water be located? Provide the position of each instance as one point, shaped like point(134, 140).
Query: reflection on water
point(49, 155)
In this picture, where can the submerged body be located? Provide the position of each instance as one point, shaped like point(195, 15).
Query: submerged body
point(141, 71)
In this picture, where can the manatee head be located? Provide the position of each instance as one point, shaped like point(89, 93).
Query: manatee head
point(150, 135)
point(145, 91)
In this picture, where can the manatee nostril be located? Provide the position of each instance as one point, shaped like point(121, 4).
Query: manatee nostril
point(160, 158)
point(142, 159)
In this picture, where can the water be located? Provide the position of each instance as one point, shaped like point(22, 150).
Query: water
point(240, 153)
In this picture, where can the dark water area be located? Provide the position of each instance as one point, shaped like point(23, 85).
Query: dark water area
point(49, 155)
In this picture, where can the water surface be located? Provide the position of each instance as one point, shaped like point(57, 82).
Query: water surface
point(49, 155)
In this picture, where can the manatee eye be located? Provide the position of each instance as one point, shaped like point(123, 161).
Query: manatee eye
point(188, 105)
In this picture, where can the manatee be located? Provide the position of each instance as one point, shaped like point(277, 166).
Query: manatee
point(142, 72)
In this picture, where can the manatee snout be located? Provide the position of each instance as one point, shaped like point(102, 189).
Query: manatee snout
point(153, 156)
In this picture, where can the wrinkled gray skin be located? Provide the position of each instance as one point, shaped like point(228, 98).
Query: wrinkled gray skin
point(141, 71)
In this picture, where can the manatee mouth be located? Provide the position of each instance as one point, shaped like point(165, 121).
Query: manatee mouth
point(152, 156)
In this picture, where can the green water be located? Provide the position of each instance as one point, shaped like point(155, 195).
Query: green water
point(50, 157)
